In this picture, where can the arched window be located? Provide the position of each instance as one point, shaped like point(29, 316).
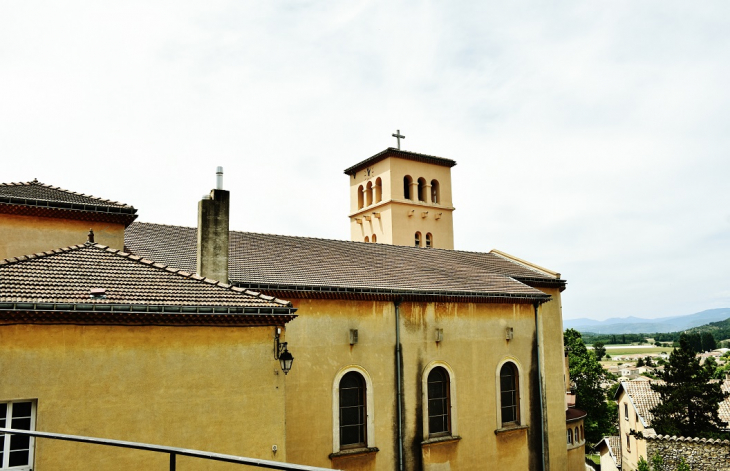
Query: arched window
point(353, 413)
point(429, 240)
point(359, 197)
point(570, 437)
point(369, 194)
point(407, 181)
point(418, 239)
point(435, 196)
point(421, 189)
point(439, 402)
point(509, 394)
point(367, 239)
point(375, 238)
point(576, 434)
point(378, 190)
point(582, 436)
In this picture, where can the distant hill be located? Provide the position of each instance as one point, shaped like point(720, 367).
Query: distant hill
point(638, 325)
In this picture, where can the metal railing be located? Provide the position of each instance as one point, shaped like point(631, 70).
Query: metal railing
point(172, 451)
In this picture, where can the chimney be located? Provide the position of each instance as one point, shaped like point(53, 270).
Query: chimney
point(213, 212)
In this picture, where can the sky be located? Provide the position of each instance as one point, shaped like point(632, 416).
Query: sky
point(591, 138)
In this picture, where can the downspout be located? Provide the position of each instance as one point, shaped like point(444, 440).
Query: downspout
point(539, 385)
point(399, 388)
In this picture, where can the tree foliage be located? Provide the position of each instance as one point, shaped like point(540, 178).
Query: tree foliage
point(689, 399)
point(642, 465)
point(599, 350)
point(588, 375)
point(682, 465)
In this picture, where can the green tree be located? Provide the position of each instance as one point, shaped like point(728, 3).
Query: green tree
point(588, 375)
point(689, 400)
point(600, 350)
point(694, 339)
point(642, 465)
point(640, 362)
point(682, 465)
point(657, 462)
point(711, 365)
point(708, 342)
point(648, 361)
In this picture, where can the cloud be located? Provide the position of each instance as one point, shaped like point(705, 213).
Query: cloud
point(590, 138)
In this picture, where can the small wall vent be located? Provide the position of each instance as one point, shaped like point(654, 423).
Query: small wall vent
point(353, 336)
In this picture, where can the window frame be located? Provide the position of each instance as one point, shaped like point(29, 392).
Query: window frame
point(418, 239)
point(453, 422)
point(6, 442)
point(369, 409)
point(429, 240)
point(522, 420)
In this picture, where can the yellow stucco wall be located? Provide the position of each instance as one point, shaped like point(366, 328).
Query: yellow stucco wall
point(395, 226)
point(23, 235)
point(473, 346)
point(552, 356)
point(208, 388)
point(630, 457)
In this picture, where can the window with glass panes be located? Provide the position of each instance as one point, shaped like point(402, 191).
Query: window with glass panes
point(439, 404)
point(16, 451)
point(353, 416)
point(509, 394)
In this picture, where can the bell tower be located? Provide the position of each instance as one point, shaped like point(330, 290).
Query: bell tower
point(402, 198)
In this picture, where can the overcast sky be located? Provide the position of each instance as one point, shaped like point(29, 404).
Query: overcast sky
point(592, 138)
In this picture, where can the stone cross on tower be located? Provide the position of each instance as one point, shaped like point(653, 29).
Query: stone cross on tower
point(398, 136)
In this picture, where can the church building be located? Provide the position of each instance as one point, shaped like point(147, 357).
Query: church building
point(408, 354)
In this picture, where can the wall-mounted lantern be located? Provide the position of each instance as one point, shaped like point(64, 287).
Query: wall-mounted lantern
point(281, 353)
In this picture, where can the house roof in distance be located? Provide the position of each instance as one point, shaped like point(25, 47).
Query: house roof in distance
point(403, 154)
point(39, 199)
point(308, 267)
point(94, 283)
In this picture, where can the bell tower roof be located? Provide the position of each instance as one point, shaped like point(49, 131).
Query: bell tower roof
point(402, 154)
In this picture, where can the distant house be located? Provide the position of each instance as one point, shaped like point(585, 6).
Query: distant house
point(629, 372)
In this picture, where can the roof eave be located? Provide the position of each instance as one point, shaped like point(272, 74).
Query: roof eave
point(393, 152)
point(12, 205)
point(136, 314)
point(343, 292)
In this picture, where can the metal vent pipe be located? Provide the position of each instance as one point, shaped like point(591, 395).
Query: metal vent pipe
point(219, 178)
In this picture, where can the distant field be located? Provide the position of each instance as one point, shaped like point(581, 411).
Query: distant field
point(614, 350)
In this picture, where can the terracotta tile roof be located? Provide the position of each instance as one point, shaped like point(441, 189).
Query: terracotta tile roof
point(67, 278)
point(613, 444)
point(643, 398)
point(42, 199)
point(272, 263)
point(403, 154)
point(724, 410)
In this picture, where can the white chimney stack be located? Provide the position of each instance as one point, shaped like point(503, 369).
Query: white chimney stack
point(219, 178)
